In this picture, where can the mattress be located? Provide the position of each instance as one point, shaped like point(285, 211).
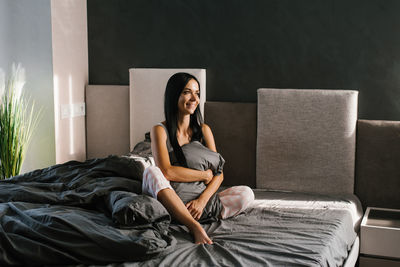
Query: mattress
point(278, 229)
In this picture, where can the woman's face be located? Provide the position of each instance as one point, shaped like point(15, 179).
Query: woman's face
point(189, 98)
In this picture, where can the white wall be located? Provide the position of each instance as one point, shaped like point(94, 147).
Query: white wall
point(70, 68)
point(25, 37)
point(49, 38)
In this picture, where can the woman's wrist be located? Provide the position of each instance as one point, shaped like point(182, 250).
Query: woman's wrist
point(204, 199)
point(208, 175)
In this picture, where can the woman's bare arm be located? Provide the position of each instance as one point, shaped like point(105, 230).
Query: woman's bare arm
point(161, 158)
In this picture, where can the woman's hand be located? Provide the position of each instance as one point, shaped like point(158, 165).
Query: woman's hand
point(196, 207)
point(209, 176)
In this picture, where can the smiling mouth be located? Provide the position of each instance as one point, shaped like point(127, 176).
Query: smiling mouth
point(191, 105)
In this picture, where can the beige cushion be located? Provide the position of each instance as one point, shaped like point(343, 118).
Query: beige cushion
point(234, 129)
point(378, 163)
point(306, 140)
point(107, 120)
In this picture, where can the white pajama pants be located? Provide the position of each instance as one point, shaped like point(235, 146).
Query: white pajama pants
point(234, 199)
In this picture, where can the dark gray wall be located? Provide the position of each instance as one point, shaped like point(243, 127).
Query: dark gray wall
point(245, 45)
point(25, 37)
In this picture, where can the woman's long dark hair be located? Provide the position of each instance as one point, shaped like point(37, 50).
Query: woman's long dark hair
point(174, 88)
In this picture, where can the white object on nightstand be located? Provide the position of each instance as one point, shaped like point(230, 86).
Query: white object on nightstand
point(380, 237)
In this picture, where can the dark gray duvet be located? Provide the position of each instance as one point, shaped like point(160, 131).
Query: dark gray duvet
point(93, 213)
point(90, 212)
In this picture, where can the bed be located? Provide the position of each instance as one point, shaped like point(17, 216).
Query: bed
point(296, 148)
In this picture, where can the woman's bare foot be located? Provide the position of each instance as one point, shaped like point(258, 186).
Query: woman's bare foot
point(200, 236)
point(177, 209)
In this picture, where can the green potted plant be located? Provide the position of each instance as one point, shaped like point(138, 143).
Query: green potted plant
point(17, 121)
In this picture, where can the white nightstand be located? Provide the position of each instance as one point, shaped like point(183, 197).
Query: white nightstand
point(380, 238)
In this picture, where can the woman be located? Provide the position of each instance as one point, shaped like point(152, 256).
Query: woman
point(184, 125)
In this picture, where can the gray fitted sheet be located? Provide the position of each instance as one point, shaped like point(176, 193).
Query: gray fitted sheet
point(278, 229)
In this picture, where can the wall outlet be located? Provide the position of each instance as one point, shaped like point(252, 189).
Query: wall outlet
point(72, 110)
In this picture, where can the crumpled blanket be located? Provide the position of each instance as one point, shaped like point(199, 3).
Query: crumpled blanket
point(81, 212)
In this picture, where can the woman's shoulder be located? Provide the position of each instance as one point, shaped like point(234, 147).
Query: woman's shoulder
point(159, 128)
point(160, 133)
point(205, 128)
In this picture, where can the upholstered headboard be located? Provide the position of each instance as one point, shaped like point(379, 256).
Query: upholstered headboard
point(234, 126)
point(378, 163)
point(306, 140)
point(107, 120)
point(235, 130)
point(146, 94)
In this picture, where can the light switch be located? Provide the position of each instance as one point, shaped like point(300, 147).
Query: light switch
point(72, 110)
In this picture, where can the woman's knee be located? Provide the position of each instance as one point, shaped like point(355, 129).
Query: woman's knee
point(151, 170)
point(249, 193)
point(243, 191)
point(154, 181)
point(246, 195)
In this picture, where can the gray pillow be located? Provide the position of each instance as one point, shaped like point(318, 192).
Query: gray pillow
point(201, 158)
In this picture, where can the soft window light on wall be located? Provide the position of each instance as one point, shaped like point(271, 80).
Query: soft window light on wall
point(56, 108)
point(71, 122)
